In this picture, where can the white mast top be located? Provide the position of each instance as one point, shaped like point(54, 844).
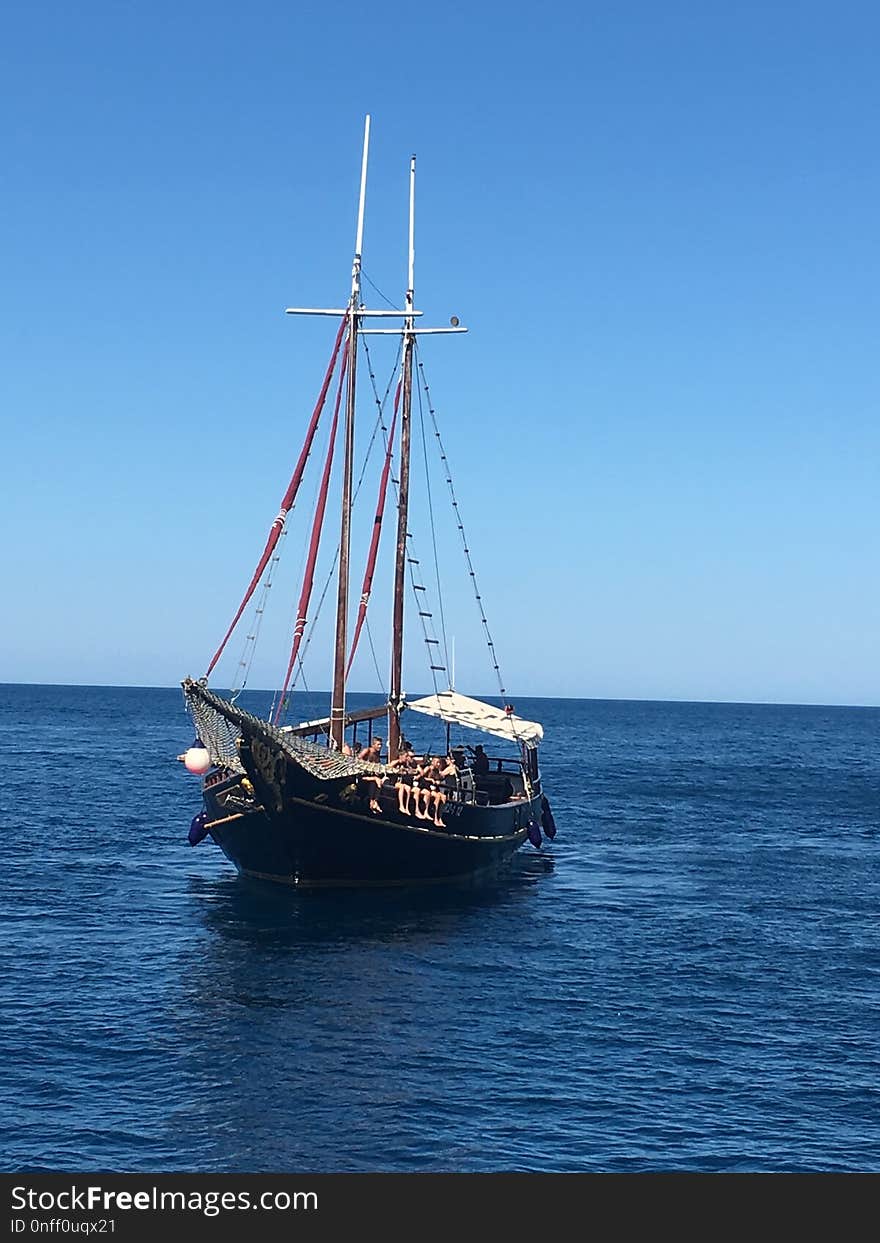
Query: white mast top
point(359, 240)
point(408, 328)
point(410, 289)
point(409, 312)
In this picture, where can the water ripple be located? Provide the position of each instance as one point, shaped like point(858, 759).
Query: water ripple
point(687, 979)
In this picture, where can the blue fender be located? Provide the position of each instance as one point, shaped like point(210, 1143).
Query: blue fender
point(197, 830)
point(548, 824)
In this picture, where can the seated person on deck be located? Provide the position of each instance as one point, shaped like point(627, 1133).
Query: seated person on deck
point(404, 767)
point(372, 754)
point(432, 793)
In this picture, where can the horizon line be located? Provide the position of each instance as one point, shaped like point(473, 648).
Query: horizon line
point(743, 703)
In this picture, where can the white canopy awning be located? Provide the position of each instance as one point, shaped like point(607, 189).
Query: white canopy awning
point(458, 709)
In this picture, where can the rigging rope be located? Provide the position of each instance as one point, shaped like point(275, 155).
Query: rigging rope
point(288, 499)
point(379, 678)
point(380, 403)
point(461, 531)
point(317, 527)
point(433, 535)
point(376, 287)
point(303, 547)
point(374, 537)
point(425, 615)
point(249, 645)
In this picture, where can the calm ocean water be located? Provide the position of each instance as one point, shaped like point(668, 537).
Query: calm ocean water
point(687, 979)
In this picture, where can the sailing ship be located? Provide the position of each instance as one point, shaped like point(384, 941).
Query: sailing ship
point(299, 804)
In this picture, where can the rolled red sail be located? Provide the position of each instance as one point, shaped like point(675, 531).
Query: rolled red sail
point(287, 500)
point(317, 527)
point(374, 538)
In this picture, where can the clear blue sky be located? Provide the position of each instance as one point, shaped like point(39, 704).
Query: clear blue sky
point(660, 223)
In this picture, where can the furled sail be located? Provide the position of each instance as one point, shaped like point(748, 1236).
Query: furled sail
point(456, 709)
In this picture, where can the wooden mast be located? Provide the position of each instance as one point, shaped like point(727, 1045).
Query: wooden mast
point(403, 491)
point(337, 705)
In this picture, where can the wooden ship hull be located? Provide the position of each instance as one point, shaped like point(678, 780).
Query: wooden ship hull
point(279, 812)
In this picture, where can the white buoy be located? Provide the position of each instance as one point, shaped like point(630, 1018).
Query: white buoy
point(197, 760)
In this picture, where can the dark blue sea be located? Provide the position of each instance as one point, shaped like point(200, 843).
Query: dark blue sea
point(686, 979)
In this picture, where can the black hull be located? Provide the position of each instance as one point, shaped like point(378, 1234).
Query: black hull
point(310, 846)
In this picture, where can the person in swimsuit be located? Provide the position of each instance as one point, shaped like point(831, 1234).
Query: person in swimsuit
point(372, 751)
point(420, 796)
point(449, 780)
point(404, 767)
point(372, 754)
point(434, 795)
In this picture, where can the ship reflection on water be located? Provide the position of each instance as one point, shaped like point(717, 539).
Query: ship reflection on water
point(266, 914)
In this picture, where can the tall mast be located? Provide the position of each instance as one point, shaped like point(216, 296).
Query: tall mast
point(403, 492)
point(337, 706)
